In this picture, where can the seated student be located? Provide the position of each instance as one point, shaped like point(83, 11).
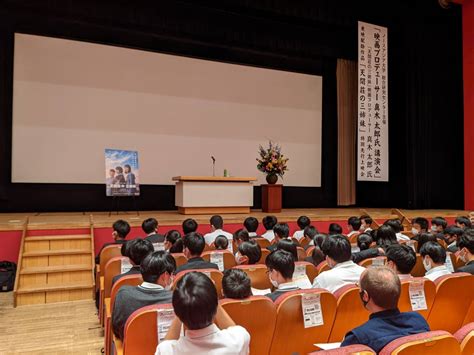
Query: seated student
point(451, 236)
point(221, 242)
point(316, 258)
point(425, 238)
point(280, 267)
point(309, 232)
point(319, 239)
point(171, 237)
point(217, 223)
point(366, 223)
point(120, 229)
point(289, 246)
point(380, 291)
point(137, 250)
point(384, 237)
point(466, 251)
point(240, 236)
point(397, 228)
point(193, 247)
point(189, 225)
point(236, 284)
point(343, 270)
point(438, 224)
point(364, 241)
point(302, 223)
point(420, 225)
point(354, 224)
point(269, 222)
point(334, 229)
point(157, 270)
point(251, 226)
point(401, 259)
point(249, 253)
point(434, 259)
point(150, 227)
point(463, 222)
point(281, 231)
point(197, 309)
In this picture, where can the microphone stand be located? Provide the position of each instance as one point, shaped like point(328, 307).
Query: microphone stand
point(213, 167)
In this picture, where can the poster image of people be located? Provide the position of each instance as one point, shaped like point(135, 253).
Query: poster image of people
point(121, 173)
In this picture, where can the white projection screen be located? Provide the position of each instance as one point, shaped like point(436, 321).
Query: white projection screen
point(72, 100)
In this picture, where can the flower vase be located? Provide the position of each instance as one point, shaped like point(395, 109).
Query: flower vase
point(272, 178)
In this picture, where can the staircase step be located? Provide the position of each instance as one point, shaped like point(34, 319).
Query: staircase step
point(55, 268)
point(57, 237)
point(49, 288)
point(56, 252)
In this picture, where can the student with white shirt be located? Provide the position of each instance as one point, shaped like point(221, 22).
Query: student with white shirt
point(302, 222)
point(451, 236)
point(397, 228)
point(208, 329)
point(269, 222)
point(419, 225)
point(353, 224)
point(280, 267)
point(251, 226)
point(401, 259)
point(343, 270)
point(366, 223)
point(281, 231)
point(217, 223)
point(434, 259)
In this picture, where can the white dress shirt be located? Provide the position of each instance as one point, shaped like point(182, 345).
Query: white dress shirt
point(401, 236)
point(211, 237)
point(404, 277)
point(210, 341)
point(340, 275)
point(253, 234)
point(298, 235)
point(436, 272)
point(269, 235)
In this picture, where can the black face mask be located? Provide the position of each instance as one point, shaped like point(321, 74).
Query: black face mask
point(361, 295)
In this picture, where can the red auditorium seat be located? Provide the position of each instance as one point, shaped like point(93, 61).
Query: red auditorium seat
point(356, 349)
point(430, 343)
point(179, 258)
point(229, 258)
point(404, 303)
point(214, 275)
point(465, 337)
point(257, 274)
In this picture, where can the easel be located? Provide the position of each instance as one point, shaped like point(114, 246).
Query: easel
point(116, 203)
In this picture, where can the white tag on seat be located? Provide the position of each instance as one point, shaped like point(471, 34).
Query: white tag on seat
point(378, 262)
point(218, 259)
point(449, 262)
point(300, 278)
point(159, 246)
point(163, 321)
point(311, 307)
point(125, 265)
point(417, 296)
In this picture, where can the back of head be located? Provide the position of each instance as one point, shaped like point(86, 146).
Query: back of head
point(195, 243)
point(241, 235)
point(425, 238)
point(122, 228)
point(354, 222)
point(139, 249)
point(422, 222)
point(282, 230)
point(319, 239)
point(195, 300)
point(172, 236)
point(217, 222)
point(334, 229)
point(281, 261)
point(394, 224)
point(364, 241)
point(403, 256)
point(189, 226)
point(463, 221)
point(178, 246)
point(309, 232)
point(435, 251)
point(236, 284)
point(337, 247)
point(251, 224)
point(125, 249)
point(156, 264)
point(317, 256)
point(382, 285)
point(221, 242)
point(303, 222)
point(150, 225)
point(385, 236)
point(251, 250)
point(269, 222)
point(454, 230)
point(289, 246)
point(366, 219)
point(467, 240)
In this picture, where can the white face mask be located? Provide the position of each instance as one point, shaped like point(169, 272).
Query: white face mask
point(168, 287)
point(462, 256)
point(434, 228)
point(237, 258)
point(426, 264)
point(414, 231)
point(274, 283)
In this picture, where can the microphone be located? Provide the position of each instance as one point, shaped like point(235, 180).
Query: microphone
point(213, 159)
point(213, 165)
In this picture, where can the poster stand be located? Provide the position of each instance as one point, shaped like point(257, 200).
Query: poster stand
point(116, 204)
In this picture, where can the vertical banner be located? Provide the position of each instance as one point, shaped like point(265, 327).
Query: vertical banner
point(372, 138)
point(121, 173)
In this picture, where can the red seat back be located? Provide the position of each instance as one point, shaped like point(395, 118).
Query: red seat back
point(429, 343)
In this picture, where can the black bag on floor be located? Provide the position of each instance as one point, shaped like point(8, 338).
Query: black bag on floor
point(7, 276)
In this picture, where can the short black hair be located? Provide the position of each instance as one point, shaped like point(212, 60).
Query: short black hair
point(128, 166)
point(403, 256)
point(119, 169)
point(156, 264)
point(317, 256)
point(335, 228)
point(385, 236)
point(172, 236)
point(242, 235)
point(189, 226)
point(149, 225)
point(221, 242)
point(467, 240)
point(464, 220)
point(439, 221)
point(281, 261)
point(364, 240)
point(122, 228)
point(303, 222)
point(194, 242)
point(195, 300)
point(337, 247)
point(251, 224)
point(269, 222)
point(423, 222)
point(125, 249)
point(394, 224)
point(319, 239)
point(236, 284)
point(354, 222)
point(309, 232)
point(454, 230)
point(435, 251)
point(251, 250)
point(367, 219)
point(289, 246)
point(217, 221)
point(139, 249)
point(282, 230)
point(425, 238)
point(177, 246)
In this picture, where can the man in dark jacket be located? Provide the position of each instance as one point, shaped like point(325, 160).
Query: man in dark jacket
point(466, 251)
point(193, 247)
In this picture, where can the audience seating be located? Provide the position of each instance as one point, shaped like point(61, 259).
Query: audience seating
point(453, 298)
point(229, 258)
point(179, 258)
point(140, 334)
point(258, 315)
point(356, 349)
point(465, 337)
point(379, 260)
point(418, 269)
point(265, 253)
point(350, 312)
point(112, 269)
point(257, 274)
point(209, 247)
point(429, 343)
point(311, 270)
point(469, 314)
point(262, 242)
point(215, 276)
point(404, 303)
point(323, 266)
point(353, 238)
point(301, 254)
point(309, 251)
point(290, 334)
point(457, 262)
point(109, 252)
point(410, 242)
point(303, 242)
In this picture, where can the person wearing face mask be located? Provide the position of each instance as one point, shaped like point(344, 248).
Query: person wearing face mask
point(438, 225)
point(420, 225)
point(380, 290)
point(343, 270)
point(434, 258)
point(451, 236)
point(466, 251)
point(280, 267)
point(401, 259)
point(157, 272)
point(366, 224)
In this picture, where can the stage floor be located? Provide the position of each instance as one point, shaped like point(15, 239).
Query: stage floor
point(15, 221)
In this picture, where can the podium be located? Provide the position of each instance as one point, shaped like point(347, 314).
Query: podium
point(271, 198)
point(213, 195)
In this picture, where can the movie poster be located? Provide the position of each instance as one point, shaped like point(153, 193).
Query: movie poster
point(122, 173)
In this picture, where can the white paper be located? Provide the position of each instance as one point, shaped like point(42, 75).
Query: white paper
point(449, 263)
point(355, 249)
point(259, 292)
point(411, 244)
point(163, 321)
point(208, 274)
point(159, 246)
point(378, 262)
point(311, 307)
point(300, 278)
point(218, 259)
point(417, 296)
point(328, 346)
point(125, 266)
point(230, 247)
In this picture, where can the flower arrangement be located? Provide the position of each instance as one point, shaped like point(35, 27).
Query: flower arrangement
point(272, 161)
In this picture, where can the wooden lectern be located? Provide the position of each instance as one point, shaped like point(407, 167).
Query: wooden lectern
point(271, 198)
